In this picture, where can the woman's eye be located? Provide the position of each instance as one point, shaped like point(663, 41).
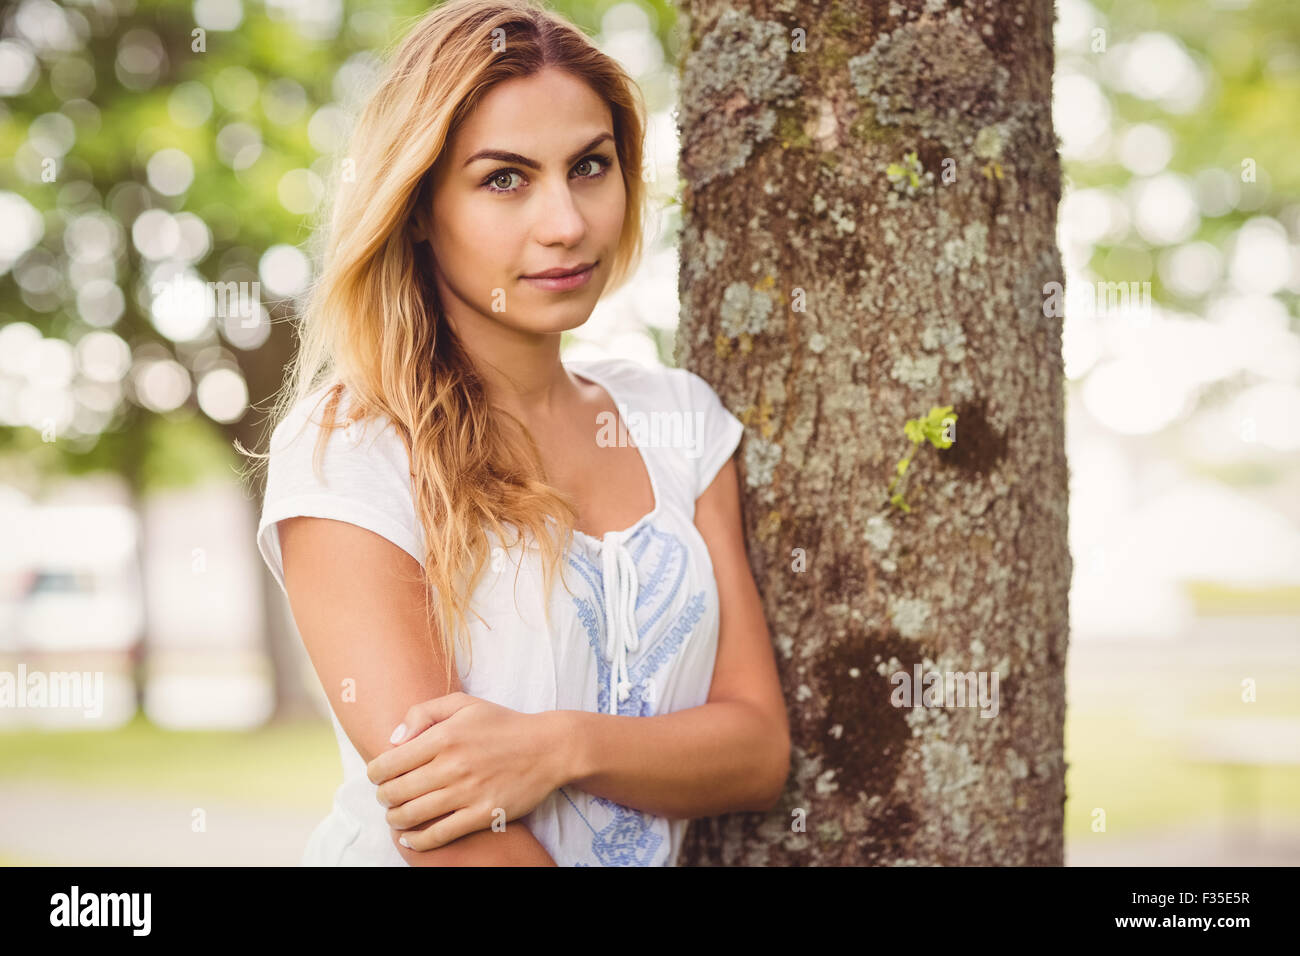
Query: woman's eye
point(494, 183)
point(604, 166)
point(505, 175)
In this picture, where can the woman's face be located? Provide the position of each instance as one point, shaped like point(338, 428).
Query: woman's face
point(556, 203)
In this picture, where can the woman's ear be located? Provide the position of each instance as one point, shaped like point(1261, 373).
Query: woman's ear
point(417, 224)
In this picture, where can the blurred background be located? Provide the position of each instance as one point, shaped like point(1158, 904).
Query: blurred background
point(161, 168)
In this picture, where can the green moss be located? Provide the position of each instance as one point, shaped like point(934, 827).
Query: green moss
point(865, 128)
point(834, 54)
point(841, 22)
point(791, 131)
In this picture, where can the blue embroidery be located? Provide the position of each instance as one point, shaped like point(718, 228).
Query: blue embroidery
point(656, 651)
point(628, 838)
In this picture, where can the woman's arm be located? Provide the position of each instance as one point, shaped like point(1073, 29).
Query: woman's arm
point(720, 757)
point(513, 846)
point(731, 753)
point(359, 603)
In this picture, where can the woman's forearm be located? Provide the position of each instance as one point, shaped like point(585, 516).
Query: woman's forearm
point(720, 757)
point(513, 846)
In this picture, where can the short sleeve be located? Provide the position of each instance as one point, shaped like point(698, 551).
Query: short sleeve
point(364, 479)
point(719, 431)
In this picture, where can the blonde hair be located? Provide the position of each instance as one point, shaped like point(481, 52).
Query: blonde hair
point(372, 321)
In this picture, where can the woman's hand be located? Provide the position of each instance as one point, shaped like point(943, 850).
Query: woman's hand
point(467, 761)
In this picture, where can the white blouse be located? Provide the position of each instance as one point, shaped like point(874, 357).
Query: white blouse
point(637, 636)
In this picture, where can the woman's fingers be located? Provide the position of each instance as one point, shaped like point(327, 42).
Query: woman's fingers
point(464, 821)
point(437, 770)
point(410, 756)
point(419, 746)
point(420, 717)
point(425, 808)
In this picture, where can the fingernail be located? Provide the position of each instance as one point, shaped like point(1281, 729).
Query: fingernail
point(398, 734)
point(402, 840)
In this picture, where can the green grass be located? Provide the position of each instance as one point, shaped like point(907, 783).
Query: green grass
point(1120, 762)
point(1117, 761)
point(1210, 598)
point(283, 765)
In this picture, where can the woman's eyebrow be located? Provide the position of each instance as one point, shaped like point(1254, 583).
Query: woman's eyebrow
point(508, 157)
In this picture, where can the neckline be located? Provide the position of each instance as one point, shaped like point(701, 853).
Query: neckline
point(601, 382)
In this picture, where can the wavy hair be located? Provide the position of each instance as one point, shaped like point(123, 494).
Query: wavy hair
point(371, 321)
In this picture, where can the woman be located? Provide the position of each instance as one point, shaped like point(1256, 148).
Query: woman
point(540, 723)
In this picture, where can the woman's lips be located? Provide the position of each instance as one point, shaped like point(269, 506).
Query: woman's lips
point(563, 283)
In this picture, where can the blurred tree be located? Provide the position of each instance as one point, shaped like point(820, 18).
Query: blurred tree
point(170, 142)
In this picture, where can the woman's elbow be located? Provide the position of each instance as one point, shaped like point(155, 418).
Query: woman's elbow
point(513, 846)
point(776, 777)
point(782, 773)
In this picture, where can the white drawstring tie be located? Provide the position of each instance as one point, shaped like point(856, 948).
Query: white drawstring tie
point(618, 570)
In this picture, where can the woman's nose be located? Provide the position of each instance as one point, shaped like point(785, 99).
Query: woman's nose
point(560, 219)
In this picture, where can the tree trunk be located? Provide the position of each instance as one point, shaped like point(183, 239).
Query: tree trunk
point(829, 299)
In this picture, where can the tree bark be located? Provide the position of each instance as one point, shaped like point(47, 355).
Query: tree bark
point(829, 299)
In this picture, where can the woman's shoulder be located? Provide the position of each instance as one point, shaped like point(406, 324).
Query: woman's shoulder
point(306, 414)
point(652, 384)
point(352, 438)
point(324, 465)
